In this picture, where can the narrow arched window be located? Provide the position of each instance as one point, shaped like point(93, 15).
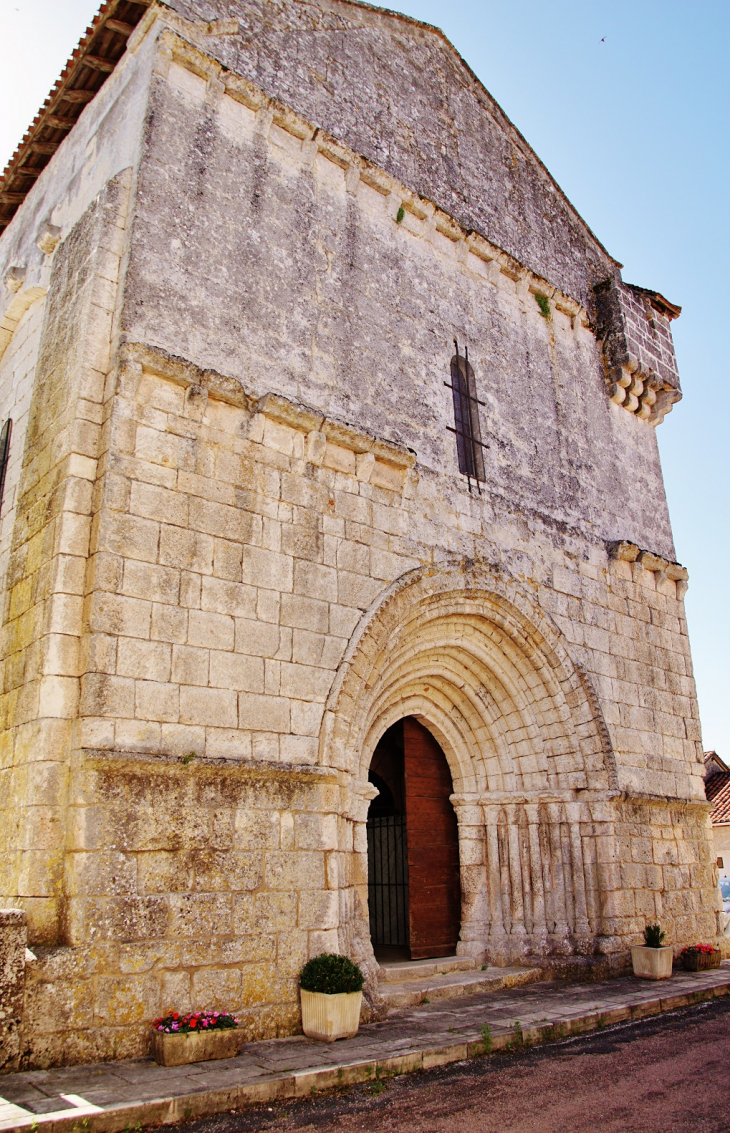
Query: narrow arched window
point(4, 454)
point(469, 446)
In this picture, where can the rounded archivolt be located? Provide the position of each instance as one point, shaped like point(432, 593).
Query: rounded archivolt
point(463, 648)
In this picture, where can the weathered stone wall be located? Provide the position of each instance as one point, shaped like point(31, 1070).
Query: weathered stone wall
point(188, 883)
point(12, 986)
point(396, 91)
point(17, 372)
point(104, 141)
point(46, 575)
point(305, 284)
point(207, 878)
point(53, 360)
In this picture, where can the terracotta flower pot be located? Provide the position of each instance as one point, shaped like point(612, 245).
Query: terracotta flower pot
point(196, 1046)
point(652, 963)
point(330, 1017)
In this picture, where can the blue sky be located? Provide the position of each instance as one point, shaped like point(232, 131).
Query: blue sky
point(627, 104)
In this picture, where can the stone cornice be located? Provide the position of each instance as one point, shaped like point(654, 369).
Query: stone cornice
point(290, 426)
point(144, 762)
point(640, 560)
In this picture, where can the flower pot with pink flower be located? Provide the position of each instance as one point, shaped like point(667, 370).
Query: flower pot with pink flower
point(700, 957)
point(180, 1039)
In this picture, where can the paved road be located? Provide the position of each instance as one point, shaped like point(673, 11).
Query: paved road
point(664, 1075)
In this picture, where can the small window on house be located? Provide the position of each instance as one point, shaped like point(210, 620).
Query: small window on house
point(4, 454)
point(469, 447)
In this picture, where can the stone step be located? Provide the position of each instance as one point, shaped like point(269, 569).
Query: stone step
point(451, 985)
point(401, 970)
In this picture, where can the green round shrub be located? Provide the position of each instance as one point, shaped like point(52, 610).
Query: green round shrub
point(331, 974)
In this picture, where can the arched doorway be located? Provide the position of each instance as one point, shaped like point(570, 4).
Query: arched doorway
point(414, 886)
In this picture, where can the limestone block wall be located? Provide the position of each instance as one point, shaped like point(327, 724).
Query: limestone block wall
point(188, 882)
point(216, 806)
point(47, 565)
point(54, 356)
point(17, 372)
point(396, 91)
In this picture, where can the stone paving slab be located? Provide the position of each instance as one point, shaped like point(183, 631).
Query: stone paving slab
point(114, 1096)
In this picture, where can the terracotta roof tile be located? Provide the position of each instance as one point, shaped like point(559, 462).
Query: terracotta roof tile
point(717, 790)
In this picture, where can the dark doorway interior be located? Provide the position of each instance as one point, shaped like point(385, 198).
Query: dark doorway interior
point(414, 886)
point(387, 852)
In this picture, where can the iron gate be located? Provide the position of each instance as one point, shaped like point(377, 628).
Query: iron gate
point(388, 879)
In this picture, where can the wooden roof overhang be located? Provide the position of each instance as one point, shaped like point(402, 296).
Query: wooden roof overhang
point(85, 73)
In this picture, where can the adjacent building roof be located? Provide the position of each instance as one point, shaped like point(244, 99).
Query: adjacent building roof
point(717, 788)
point(85, 73)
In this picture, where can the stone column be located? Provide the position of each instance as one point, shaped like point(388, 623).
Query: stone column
point(582, 927)
point(472, 864)
point(360, 945)
point(561, 929)
point(539, 924)
point(497, 932)
point(517, 907)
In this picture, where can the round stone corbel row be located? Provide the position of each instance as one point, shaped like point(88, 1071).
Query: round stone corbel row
point(647, 560)
point(640, 392)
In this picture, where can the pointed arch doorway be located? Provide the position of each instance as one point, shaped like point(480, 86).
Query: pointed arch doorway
point(414, 884)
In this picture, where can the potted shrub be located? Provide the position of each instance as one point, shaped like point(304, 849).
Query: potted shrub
point(179, 1039)
point(331, 990)
point(652, 960)
point(699, 957)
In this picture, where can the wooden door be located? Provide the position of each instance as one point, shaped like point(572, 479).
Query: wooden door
point(433, 846)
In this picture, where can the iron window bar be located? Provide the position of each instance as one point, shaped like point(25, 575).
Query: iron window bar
point(461, 433)
point(471, 443)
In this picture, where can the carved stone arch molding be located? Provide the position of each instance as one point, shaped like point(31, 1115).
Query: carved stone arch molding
point(464, 648)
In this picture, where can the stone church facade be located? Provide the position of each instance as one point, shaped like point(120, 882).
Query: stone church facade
point(267, 530)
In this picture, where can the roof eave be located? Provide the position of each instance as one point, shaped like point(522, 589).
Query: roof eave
point(90, 65)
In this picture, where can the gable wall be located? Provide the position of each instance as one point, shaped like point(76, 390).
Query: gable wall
point(398, 93)
point(256, 254)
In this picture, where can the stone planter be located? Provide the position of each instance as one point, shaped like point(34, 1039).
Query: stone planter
point(196, 1046)
point(652, 963)
point(330, 1017)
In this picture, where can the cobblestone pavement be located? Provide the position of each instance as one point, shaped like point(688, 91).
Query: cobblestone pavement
point(104, 1098)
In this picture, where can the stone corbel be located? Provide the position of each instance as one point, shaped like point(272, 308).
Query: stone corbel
point(48, 238)
point(316, 447)
point(14, 279)
point(362, 794)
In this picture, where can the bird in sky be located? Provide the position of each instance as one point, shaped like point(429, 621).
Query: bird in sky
point(603, 40)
